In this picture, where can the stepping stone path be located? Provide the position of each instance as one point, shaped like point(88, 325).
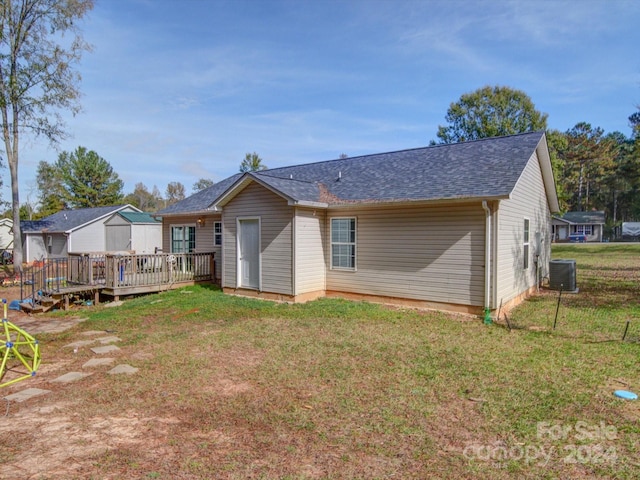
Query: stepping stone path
point(97, 362)
point(70, 377)
point(128, 369)
point(105, 349)
point(26, 394)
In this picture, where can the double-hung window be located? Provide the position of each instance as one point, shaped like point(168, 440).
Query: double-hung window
point(343, 243)
point(217, 233)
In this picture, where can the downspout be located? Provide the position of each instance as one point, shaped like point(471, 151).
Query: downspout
point(487, 263)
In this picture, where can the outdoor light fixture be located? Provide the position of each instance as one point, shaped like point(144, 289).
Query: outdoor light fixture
point(201, 222)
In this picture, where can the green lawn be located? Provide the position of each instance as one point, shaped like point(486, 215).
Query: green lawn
point(237, 388)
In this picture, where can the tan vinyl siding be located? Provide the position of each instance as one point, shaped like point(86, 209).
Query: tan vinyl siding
point(310, 259)
point(204, 235)
point(528, 200)
point(276, 237)
point(423, 253)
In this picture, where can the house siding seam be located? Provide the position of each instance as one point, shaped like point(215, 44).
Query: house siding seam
point(528, 200)
point(276, 237)
point(424, 253)
point(310, 259)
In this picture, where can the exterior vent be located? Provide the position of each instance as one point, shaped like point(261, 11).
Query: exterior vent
point(562, 275)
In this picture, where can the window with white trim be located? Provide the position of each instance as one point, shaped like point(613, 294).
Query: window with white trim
point(217, 233)
point(584, 229)
point(525, 247)
point(343, 243)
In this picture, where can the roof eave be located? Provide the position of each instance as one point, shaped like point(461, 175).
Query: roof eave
point(419, 201)
point(308, 203)
point(542, 150)
point(208, 211)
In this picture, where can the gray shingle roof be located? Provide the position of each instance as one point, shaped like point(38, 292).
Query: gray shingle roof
point(478, 169)
point(585, 218)
point(202, 200)
point(67, 220)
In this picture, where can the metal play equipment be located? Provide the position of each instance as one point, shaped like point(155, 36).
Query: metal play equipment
point(20, 352)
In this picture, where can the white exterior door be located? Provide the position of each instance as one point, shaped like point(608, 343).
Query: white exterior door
point(563, 233)
point(249, 253)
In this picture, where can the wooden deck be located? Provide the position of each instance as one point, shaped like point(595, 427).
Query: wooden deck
point(114, 275)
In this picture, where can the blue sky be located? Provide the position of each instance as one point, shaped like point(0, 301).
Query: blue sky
point(177, 90)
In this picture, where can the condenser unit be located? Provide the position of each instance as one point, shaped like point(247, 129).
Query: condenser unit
point(562, 275)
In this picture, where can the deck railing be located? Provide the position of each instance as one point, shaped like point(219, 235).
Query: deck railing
point(50, 275)
point(139, 270)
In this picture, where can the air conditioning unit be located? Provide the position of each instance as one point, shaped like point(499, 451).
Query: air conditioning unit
point(562, 275)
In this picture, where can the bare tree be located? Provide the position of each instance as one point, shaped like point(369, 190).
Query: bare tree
point(37, 77)
point(175, 192)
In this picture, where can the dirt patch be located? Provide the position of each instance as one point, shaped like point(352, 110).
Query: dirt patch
point(34, 324)
point(56, 443)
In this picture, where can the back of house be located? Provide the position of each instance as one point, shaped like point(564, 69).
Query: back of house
point(460, 227)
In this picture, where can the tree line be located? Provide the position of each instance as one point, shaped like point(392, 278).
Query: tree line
point(83, 179)
point(593, 169)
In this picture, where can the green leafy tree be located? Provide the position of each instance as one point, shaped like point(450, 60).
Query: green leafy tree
point(634, 121)
point(50, 190)
point(88, 180)
point(252, 163)
point(37, 78)
point(490, 112)
point(27, 212)
point(620, 180)
point(557, 142)
point(589, 159)
point(202, 183)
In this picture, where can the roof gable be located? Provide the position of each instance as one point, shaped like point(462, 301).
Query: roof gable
point(70, 220)
point(201, 201)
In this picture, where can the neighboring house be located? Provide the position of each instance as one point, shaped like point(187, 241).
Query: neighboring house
point(578, 227)
point(6, 234)
point(68, 231)
point(462, 227)
point(133, 231)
